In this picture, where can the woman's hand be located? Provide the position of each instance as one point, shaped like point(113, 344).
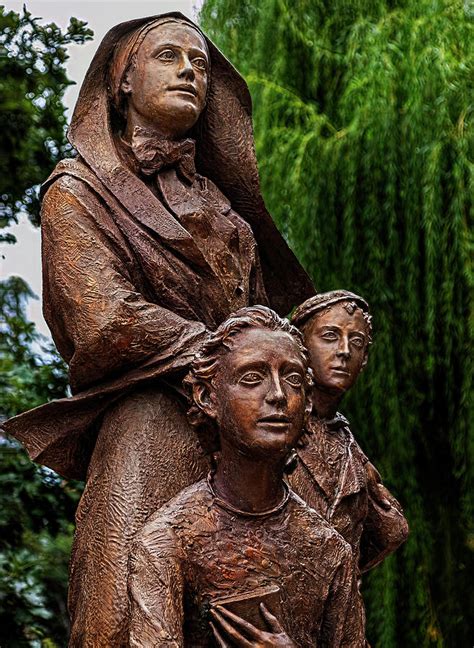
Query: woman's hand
point(245, 635)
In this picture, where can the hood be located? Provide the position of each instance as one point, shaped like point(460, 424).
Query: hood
point(225, 154)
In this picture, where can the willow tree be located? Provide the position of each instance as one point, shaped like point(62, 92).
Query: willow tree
point(364, 119)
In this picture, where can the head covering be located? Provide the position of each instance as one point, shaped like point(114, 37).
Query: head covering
point(319, 302)
point(224, 148)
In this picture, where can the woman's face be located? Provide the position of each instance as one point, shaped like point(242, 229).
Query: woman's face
point(167, 85)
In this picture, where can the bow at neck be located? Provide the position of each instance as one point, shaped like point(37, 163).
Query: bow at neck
point(154, 153)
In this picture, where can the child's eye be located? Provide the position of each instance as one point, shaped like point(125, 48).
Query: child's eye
point(329, 335)
point(295, 379)
point(251, 378)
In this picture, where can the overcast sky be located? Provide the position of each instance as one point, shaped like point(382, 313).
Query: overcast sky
point(24, 258)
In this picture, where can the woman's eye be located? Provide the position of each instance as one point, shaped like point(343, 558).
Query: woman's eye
point(166, 55)
point(329, 335)
point(295, 380)
point(251, 378)
point(200, 63)
point(358, 342)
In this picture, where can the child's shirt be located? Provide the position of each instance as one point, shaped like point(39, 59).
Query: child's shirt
point(195, 551)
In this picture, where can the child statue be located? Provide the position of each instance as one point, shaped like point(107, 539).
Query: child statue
point(238, 559)
point(333, 475)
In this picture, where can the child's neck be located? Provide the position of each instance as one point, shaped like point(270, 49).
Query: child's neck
point(251, 484)
point(325, 403)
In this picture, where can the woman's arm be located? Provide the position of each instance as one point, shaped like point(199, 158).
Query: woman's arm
point(101, 322)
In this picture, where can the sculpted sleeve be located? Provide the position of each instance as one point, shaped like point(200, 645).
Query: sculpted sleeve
point(156, 592)
point(385, 527)
point(100, 319)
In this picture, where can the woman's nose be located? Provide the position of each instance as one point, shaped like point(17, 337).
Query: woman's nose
point(186, 70)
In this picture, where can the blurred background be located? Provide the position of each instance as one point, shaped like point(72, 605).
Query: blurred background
point(364, 124)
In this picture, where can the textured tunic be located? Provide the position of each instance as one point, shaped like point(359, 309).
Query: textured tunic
point(194, 552)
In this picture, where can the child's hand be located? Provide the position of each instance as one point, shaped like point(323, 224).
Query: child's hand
point(251, 637)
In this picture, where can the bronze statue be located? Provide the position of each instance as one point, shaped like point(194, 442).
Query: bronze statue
point(333, 475)
point(238, 557)
point(152, 236)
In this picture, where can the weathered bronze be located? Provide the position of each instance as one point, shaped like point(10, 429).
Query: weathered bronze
point(238, 557)
point(150, 240)
point(332, 474)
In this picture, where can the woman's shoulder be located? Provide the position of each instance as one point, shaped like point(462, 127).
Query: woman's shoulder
point(69, 173)
point(72, 189)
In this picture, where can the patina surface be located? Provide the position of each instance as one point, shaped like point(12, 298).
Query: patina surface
point(151, 237)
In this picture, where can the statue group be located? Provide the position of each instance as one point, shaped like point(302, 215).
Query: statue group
point(226, 500)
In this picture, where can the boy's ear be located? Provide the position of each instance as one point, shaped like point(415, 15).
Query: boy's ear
point(203, 398)
point(308, 408)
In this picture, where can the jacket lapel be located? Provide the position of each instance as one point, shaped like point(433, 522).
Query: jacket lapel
point(351, 476)
point(351, 473)
point(121, 188)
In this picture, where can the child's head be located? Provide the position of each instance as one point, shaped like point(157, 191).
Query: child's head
point(249, 384)
point(337, 331)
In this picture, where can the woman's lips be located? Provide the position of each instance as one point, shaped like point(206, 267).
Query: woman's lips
point(189, 89)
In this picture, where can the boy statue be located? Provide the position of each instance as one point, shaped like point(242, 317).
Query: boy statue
point(238, 559)
point(332, 473)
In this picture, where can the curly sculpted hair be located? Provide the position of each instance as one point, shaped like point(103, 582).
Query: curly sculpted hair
point(205, 365)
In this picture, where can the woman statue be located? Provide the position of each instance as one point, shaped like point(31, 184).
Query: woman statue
point(152, 235)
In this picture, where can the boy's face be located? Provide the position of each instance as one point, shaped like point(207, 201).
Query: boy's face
point(259, 399)
point(337, 343)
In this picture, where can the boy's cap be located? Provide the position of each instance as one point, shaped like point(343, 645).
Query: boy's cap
point(317, 303)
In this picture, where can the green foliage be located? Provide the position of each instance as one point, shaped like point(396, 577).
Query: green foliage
point(32, 121)
point(364, 119)
point(36, 506)
point(36, 525)
point(31, 371)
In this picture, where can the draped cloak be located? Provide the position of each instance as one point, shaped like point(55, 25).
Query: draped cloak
point(129, 295)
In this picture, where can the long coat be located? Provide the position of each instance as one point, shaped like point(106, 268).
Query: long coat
point(129, 295)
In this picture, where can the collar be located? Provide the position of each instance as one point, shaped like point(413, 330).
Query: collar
point(153, 153)
point(332, 425)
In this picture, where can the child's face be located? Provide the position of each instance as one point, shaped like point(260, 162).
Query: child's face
point(260, 393)
point(337, 343)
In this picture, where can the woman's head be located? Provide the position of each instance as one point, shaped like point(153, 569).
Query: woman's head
point(159, 77)
point(249, 385)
